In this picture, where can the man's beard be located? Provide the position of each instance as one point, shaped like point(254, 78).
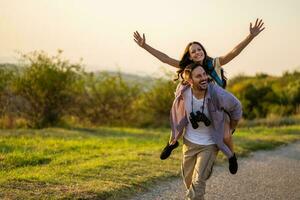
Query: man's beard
point(202, 85)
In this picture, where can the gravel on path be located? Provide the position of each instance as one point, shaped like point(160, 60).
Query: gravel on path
point(264, 175)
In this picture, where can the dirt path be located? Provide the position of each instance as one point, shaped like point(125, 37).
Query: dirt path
point(264, 175)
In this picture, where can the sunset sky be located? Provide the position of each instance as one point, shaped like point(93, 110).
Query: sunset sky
point(101, 32)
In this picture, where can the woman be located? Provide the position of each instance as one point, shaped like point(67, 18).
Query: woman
point(195, 52)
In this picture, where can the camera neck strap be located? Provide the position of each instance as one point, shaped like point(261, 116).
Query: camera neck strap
point(202, 107)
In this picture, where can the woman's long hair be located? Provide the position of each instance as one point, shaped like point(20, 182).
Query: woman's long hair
point(185, 61)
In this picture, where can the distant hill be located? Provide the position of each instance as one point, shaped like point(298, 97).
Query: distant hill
point(131, 77)
point(146, 81)
point(126, 76)
point(11, 66)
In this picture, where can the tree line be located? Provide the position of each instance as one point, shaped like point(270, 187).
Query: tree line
point(43, 90)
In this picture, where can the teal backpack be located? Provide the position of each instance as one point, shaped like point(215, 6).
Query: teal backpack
point(221, 81)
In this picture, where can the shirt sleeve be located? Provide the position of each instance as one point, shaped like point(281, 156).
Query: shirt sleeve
point(229, 102)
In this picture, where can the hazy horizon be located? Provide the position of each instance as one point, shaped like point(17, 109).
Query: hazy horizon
point(101, 32)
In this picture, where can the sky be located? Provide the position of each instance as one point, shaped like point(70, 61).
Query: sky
point(101, 32)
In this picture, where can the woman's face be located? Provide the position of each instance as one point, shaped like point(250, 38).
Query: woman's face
point(196, 53)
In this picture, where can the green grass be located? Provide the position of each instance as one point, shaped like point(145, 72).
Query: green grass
point(271, 121)
point(101, 163)
point(247, 140)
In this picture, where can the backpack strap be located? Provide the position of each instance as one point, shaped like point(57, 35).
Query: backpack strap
point(212, 72)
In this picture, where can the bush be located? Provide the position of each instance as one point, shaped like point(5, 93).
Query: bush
point(108, 99)
point(46, 87)
point(153, 108)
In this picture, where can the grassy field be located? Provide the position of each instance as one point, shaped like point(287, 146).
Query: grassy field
point(102, 163)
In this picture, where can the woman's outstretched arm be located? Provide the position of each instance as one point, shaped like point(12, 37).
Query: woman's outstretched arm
point(141, 41)
point(254, 31)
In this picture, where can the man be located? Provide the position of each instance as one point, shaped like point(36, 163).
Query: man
point(198, 113)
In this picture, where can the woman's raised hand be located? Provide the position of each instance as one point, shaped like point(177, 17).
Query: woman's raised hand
point(138, 39)
point(257, 28)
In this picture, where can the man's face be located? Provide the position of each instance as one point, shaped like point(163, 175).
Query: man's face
point(199, 79)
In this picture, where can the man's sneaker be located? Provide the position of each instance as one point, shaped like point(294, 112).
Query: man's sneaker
point(233, 165)
point(166, 152)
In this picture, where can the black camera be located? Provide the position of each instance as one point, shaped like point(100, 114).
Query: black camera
point(198, 117)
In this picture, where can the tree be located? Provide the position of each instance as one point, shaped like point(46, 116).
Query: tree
point(46, 84)
point(108, 99)
point(154, 105)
